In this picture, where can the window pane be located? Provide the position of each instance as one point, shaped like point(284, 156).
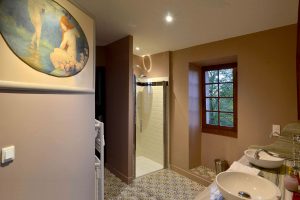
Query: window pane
point(212, 104)
point(211, 90)
point(226, 75)
point(212, 118)
point(226, 119)
point(226, 90)
point(226, 104)
point(211, 76)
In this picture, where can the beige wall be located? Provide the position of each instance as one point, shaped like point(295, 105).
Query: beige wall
point(266, 92)
point(53, 136)
point(137, 65)
point(194, 116)
point(119, 108)
point(160, 65)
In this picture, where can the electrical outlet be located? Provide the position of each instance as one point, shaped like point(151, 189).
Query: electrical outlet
point(275, 130)
point(8, 154)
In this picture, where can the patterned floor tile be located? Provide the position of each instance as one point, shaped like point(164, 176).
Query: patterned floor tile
point(204, 172)
point(162, 185)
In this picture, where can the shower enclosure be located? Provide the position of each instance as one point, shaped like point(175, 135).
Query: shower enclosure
point(151, 138)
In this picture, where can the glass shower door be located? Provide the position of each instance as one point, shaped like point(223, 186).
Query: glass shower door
point(150, 127)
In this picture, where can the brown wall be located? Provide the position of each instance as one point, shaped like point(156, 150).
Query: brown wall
point(53, 136)
point(100, 56)
point(119, 108)
point(160, 65)
point(266, 93)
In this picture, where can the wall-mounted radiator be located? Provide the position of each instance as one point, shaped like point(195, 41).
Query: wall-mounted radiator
point(99, 162)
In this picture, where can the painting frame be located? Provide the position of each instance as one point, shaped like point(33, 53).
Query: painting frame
point(83, 82)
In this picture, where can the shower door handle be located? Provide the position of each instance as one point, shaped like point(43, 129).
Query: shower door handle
point(141, 125)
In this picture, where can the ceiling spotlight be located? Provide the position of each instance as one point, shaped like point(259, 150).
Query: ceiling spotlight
point(169, 18)
point(137, 48)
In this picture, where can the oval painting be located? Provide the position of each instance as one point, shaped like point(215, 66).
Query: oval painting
point(44, 35)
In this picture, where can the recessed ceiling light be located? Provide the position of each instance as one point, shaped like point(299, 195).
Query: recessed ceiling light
point(137, 48)
point(169, 18)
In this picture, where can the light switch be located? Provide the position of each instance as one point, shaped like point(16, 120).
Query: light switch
point(8, 154)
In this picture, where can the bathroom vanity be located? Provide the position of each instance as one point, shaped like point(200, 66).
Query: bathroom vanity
point(275, 158)
point(274, 175)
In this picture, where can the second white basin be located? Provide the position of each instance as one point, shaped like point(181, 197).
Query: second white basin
point(265, 160)
point(238, 186)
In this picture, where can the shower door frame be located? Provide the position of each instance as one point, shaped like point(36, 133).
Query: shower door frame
point(165, 85)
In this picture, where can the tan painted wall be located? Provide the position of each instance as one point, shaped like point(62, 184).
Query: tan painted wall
point(119, 108)
point(160, 65)
point(53, 136)
point(266, 92)
point(194, 117)
point(137, 66)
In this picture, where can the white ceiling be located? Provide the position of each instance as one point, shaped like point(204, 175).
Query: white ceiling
point(195, 21)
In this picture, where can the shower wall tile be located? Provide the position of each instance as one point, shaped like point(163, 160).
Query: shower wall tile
point(138, 113)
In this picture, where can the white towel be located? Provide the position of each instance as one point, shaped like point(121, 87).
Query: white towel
point(215, 193)
point(288, 195)
point(98, 147)
point(99, 139)
point(99, 128)
point(238, 167)
point(99, 125)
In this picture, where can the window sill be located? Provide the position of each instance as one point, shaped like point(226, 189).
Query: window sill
point(220, 131)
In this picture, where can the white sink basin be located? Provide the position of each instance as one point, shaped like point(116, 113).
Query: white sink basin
point(265, 160)
point(231, 184)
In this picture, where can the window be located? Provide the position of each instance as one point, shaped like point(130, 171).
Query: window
point(219, 99)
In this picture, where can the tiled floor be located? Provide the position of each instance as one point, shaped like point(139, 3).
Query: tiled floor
point(205, 172)
point(162, 185)
point(146, 166)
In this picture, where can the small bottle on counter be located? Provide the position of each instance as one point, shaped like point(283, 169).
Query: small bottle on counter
point(291, 180)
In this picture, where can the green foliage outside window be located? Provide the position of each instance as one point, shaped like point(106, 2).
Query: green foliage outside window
point(219, 97)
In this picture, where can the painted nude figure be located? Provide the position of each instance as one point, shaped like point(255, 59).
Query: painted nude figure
point(65, 57)
point(36, 11)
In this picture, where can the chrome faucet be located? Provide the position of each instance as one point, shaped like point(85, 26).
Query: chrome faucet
point(256, 154)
